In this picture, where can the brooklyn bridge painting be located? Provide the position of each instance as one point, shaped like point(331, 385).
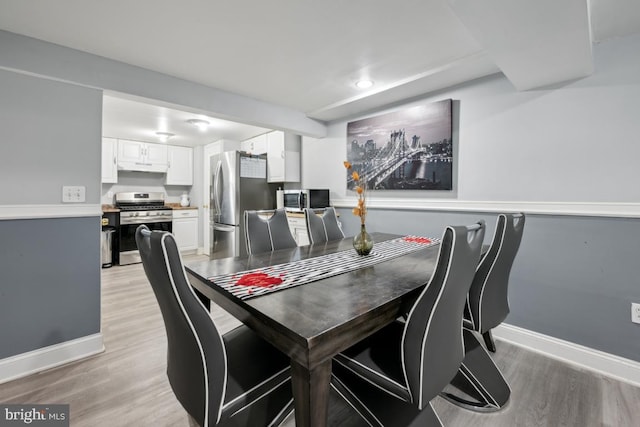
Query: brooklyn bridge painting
point(409, 149)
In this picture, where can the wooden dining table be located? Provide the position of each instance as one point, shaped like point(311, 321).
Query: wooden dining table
point(313, 322)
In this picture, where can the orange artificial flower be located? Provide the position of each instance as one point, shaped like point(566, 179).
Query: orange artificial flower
point(361, 189)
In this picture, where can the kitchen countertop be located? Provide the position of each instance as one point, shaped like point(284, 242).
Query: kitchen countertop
point(109, 208)
point(176, 206)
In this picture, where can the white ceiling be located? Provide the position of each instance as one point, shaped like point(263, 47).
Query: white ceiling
point(129, 118)
point(307, 55)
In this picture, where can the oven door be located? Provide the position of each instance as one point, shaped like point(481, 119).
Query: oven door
point(128, 249)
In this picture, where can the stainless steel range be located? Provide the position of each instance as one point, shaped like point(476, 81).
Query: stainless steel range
point(136, 209)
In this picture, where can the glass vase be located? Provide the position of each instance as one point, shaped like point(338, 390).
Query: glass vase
point(363, 242)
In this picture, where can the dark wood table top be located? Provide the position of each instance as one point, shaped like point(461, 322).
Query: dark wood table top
point(313, 322)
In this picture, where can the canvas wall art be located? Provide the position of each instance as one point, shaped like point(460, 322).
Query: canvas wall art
point(409, 149)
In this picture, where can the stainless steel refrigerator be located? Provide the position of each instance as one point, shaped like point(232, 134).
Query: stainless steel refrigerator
point(238, 183)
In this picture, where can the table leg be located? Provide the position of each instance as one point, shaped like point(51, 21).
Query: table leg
point(311, 393)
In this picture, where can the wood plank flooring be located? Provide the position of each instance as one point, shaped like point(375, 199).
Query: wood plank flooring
point(127, 385)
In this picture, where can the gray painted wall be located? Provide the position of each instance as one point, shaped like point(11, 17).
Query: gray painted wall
point(50, 290)
point(574, 277)
point(50, 281)
point(577, 142)
point(51, 136)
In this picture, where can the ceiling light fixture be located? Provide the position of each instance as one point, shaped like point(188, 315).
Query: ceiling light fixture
point(199, 123)
point(364, 84)
point(164, 136)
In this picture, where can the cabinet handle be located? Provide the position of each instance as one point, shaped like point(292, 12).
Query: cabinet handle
point(114, 160)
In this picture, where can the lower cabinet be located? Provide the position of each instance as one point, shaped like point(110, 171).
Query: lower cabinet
point(298, 226)
point(185, 228)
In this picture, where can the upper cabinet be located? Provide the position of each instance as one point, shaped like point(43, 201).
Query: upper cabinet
point(283, 157)
point(283, 154)
point(255, 145)
point(109, 160)
point(142, 156)
point(180, 165)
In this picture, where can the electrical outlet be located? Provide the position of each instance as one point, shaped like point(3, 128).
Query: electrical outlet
point(635, 312)
point(73, 194)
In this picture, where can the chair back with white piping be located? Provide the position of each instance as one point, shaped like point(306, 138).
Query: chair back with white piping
point(322, 227)
point(432, 344)
point(488, 297)
point(196, 362)
point(267, 231)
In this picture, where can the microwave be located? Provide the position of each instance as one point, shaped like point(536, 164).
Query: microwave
point(297, 200)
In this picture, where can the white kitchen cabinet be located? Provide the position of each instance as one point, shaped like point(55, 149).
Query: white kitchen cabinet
point(298, 227)
point(185, 228)
point(255, 145)
point(283, 159)
point(180, 165)
point(109, 160)
point(142, 156)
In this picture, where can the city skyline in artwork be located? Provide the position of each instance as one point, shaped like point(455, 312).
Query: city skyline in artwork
point(410, 149)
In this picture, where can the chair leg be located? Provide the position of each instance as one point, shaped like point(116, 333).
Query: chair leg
point(355, 403)
point(482, 386)
point(407, 414)
point(488, 340)
point(283, 415)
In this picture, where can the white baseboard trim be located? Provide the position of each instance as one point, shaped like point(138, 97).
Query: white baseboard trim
point(604, 363)
point(35, 361)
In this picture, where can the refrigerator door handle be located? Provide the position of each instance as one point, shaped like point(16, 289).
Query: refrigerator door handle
point(216, 192)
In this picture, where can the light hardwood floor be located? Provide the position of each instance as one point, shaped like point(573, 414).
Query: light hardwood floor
point(127, 385)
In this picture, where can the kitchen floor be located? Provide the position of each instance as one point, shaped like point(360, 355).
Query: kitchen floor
point(127, 385)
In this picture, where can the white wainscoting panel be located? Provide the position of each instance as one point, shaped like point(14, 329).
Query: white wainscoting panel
point(8, 212)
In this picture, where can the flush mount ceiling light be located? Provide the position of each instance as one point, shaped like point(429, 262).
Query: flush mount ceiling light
point(364, 84)
point(199, 123)
point(164, 136)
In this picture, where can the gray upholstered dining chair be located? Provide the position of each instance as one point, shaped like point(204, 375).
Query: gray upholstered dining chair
point(231, 379)
point(487, 302)
point(322, 227)
point(391, 377)
point(267, 230)
point(479, 384)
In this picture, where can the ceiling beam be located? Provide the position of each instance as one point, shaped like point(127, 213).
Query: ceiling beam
point(535, 43)
point(36, 57)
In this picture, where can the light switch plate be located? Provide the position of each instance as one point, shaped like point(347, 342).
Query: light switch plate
point(635, 312)
point(73, 194)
